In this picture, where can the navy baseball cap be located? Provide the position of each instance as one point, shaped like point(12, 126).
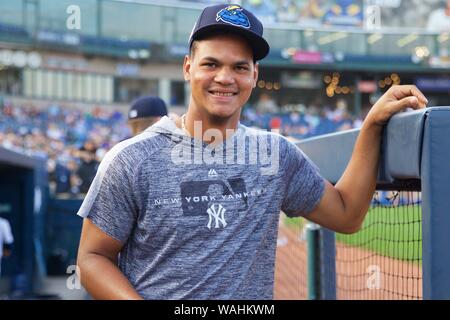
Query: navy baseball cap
point(148, 106)
point(234, 19)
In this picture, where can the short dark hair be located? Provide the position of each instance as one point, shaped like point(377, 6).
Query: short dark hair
point(193, 48)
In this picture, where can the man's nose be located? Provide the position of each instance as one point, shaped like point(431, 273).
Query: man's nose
point(224, 76)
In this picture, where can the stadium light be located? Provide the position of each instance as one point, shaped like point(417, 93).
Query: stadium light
point(373, 38)
point(422, 52)
point(333, 37)
point(133, 54)
point(309, 33)
point(144, 54)
point(407, 40)
point(330, 91)
point(20, 59)
point(261, 84)
point(443, 37)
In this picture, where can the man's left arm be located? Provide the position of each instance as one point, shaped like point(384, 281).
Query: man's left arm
point(343, 207)
point(7, 250)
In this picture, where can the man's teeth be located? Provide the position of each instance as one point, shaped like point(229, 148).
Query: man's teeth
point(223, 94)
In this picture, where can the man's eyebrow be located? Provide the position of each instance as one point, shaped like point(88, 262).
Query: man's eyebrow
point(212, 59)
point(237, 63)
point(242, 62)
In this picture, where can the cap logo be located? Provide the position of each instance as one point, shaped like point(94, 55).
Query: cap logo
point(233, 15)
point(133, 114)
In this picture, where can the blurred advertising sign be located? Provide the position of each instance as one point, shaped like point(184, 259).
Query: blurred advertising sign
point(439, 62)
point(367, 86)
point(368, 14)
point(307, 57)
point(127, 69)
point(311, 57)
point(345, 13)
point(65, 63)
point(177, 50)
point(20, 59)
point(311, 13)
point(433, 84)
point(362, 58)
point(301, 80)
point(58, 38)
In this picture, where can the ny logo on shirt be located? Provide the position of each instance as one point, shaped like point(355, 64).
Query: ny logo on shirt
point(216, 211)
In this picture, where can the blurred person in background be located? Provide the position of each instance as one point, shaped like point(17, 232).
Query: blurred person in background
point(144, 112)
point(6, 240)
point(88, 166)
point(64, 175)
point(263, 9)
point(439, 19)
point(344, 12)
point(266, 104)
point(312, 12)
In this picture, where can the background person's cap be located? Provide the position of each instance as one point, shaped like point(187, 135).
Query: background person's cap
point(148, 106)
point(235, 19)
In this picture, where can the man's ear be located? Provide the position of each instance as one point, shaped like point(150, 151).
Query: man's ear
point(187, 68)
point(255, 74)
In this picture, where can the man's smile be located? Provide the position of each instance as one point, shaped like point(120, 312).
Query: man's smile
point(222, 93)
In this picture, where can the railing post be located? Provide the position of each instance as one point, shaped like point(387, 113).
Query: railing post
point(313, 238)
point(435, 172)
point(327, 264)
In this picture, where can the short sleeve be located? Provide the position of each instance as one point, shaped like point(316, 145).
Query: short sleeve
point(6, 232)
point(304, 184)
point(110, 202)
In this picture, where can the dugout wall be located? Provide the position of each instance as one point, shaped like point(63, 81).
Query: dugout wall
point(23, 194)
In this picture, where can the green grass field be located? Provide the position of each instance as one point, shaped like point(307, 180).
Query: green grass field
point(393, 232)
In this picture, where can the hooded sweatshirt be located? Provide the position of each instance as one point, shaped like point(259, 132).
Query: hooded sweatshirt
point(200, 221)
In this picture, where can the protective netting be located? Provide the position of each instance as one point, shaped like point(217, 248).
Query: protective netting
point(381, 261)
point(291, 261)
point(384, 259)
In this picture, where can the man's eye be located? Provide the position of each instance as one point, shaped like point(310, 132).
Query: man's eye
point(242, 68)
point(209, 64)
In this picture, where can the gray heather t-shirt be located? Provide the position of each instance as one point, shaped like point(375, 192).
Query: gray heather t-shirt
point(200, 222)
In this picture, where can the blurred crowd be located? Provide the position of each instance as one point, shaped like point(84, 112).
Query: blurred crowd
point(305, 12)
point(74, 142)
point(300, 121)
point(433, 15)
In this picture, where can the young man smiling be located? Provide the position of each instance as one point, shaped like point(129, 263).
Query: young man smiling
point(222, 74)
point(159, 228)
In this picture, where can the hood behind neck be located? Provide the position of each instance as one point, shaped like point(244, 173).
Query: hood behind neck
point(168, 127)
